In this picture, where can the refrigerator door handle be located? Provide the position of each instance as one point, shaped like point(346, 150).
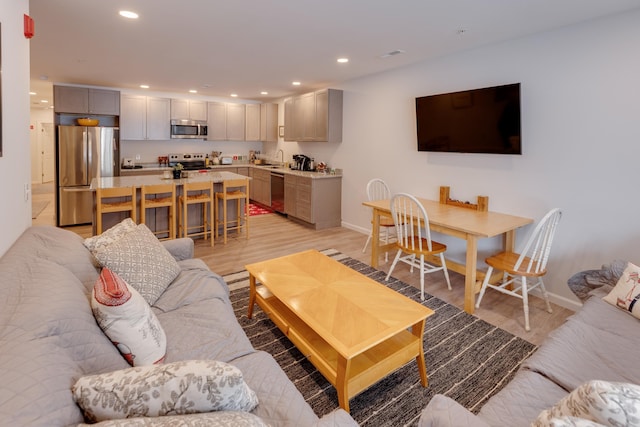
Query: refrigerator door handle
point(88, 144)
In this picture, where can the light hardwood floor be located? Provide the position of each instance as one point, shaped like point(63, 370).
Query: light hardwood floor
point(273, 235)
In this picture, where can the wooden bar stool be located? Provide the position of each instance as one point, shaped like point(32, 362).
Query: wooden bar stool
point(196, 193)
point(109, 200)
point(238, 190)
point(160, 196)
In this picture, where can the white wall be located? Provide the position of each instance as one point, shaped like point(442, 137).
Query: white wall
point(15, 171)
point(581, 139)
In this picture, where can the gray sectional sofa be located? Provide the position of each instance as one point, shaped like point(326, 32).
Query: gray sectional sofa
point(599, 342)
point(49, 337)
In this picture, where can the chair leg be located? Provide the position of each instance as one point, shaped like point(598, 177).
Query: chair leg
point(393, 265)
point(445, 270)
point(485, 282)
point(224, 221)
point(525, 303)
point(545, 295)
point(367, 242)
point(422, 277)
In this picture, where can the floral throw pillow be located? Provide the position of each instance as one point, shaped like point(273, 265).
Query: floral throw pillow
point(178, 388)
point(602, 402)
point(141, 260)
point(126, 318)
point(626, 294)
point(208, 419)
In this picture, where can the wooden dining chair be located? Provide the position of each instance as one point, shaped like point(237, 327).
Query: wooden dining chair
point(377, 189)
point(160, 196)
point(196, 193)
point(529, 264)
point(413, 238)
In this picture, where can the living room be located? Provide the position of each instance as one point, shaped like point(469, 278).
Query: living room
point(579, 137)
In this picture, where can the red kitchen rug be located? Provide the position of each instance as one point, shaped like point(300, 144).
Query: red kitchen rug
point(255, 210)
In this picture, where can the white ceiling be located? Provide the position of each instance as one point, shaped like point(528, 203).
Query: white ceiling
point(248, 46)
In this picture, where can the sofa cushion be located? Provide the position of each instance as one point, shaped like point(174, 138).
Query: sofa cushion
point(591, 334)
point(208, 419)
point(626, 294)
point(520, 401)
point(110, 235)
point(599, 401)
point(142, 261)
point(48, 337)
point(127, 319)
point(177, 388)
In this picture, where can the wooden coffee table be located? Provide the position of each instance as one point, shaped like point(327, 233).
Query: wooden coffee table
point(354, 330)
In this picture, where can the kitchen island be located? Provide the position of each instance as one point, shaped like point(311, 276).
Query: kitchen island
point(158, 220)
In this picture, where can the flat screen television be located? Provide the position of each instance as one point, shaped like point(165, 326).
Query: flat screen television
point(485, 120)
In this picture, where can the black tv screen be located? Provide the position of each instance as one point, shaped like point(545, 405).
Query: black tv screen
point(485, 120)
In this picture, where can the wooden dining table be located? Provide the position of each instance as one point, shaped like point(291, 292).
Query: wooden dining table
point(468, 224)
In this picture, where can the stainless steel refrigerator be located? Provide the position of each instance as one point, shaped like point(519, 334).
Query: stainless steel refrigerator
point(83, 153)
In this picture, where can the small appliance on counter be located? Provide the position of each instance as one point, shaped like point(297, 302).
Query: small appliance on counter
point(301, 162)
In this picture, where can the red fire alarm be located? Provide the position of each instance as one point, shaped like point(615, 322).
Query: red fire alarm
point(28, 26)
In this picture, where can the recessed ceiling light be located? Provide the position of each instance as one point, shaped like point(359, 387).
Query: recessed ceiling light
point(295, 83)
point(44, 101)
point(193, 91)
point(32, 93)
point(128, 14)
point(144, 86)
point(264, 92)
point(343, 60)
point(234, 95)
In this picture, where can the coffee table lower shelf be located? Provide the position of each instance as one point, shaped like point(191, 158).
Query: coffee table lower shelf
point(351, 375)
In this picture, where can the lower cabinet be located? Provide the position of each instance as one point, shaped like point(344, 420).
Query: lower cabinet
point(316, 202)
point(260, 187)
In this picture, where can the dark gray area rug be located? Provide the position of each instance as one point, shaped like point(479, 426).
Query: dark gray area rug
point(467, 359)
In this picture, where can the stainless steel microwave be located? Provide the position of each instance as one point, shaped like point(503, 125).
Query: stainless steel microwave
point(188, 129)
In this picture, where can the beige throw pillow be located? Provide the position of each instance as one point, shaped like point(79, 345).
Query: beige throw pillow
point(109, 236)
point(626, 294)
point(141, 260)
point(184, 387)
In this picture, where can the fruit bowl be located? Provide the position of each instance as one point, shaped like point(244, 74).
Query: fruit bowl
point(88, 122)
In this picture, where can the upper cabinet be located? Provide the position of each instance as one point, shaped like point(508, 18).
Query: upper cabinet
point(82, 100)
point(188, 109)
point(314, 116)
point(252, 122)
point(228, 121)
point(145, 118)
point(269, 122)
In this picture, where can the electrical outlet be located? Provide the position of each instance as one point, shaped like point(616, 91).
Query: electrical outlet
point(137, 156)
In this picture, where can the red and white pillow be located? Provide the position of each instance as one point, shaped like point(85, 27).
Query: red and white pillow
point(126, 318)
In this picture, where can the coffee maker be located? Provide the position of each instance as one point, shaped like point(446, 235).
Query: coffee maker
point(301, 162)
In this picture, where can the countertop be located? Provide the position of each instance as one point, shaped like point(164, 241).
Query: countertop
point(140, 180)
point(308, 174)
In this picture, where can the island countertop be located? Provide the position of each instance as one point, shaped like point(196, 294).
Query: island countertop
point(140, 180)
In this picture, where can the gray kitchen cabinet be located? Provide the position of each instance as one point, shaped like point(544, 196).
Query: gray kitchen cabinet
point(316, 202)
point(83, 100)
point(260, 186)
point(314, 116)
point(144, 118)
point(216, 121)
point(188, 109)
point(269, 122)
point(252, 122)
point(235, 122)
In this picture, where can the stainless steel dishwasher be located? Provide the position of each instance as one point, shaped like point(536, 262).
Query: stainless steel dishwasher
point(277, 191)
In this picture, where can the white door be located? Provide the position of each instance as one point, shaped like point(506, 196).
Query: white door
point(47, 142)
